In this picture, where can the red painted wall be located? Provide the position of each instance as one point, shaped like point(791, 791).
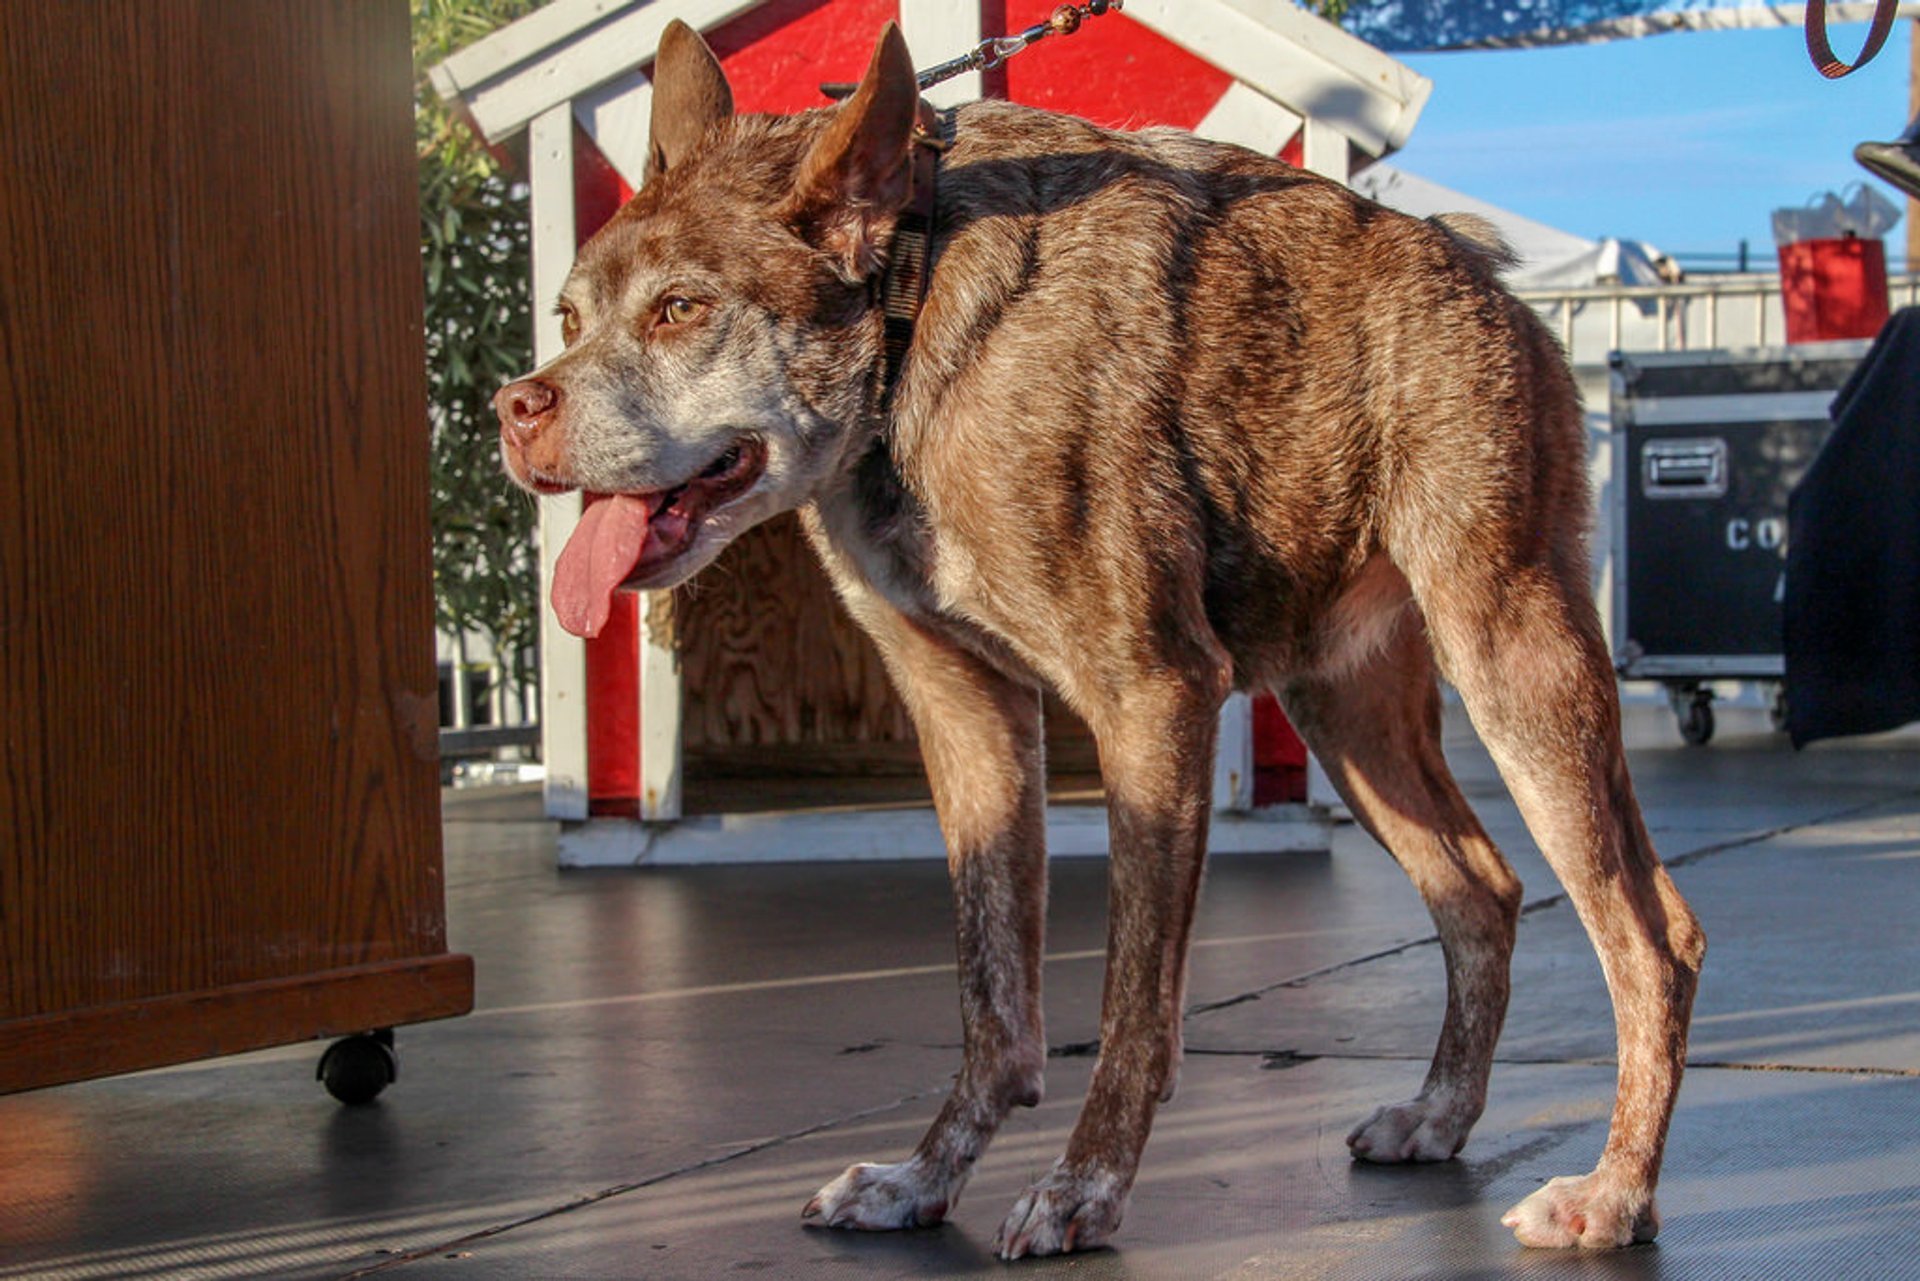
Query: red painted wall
point(1112, 71)
point(613, 657)
point(1279, 755)
point(777, 55)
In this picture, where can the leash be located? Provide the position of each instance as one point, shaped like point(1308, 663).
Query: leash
point(904, 287)
point(1822, 52)
point(995, 50)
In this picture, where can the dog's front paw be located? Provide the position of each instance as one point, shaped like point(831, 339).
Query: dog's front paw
point(1588, 1212)
point(1062, 1212)
point(1430, 1129)
point(882, 1198)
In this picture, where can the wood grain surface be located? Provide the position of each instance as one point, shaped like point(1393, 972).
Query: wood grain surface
point(217, 700)
point(769, 657)
point(104, 1039)
point(786, 701)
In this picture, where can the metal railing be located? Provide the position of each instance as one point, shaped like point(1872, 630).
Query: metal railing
point(1705, 313)
point(483, 710)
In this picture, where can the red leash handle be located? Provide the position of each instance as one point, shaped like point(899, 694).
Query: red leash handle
point(1822, 53)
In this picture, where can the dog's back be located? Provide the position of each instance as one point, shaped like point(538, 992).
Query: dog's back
point(1281, 379)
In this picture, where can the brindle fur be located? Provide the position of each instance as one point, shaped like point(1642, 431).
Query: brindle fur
point(1178, 420)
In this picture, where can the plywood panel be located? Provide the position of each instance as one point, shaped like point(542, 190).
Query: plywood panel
point(769, 657)
point(217, 699)
point(786, 701)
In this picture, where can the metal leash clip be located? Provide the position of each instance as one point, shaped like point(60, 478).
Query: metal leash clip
point(994, 50)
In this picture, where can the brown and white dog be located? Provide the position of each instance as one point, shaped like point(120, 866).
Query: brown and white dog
point(1177, 420)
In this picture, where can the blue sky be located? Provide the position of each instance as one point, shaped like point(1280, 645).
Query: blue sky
point(1688, 141)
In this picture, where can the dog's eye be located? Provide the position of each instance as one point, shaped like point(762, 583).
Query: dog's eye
point(678, 311)
point(569, 323)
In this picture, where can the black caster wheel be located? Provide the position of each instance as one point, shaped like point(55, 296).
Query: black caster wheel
point(1692, 705)
point(1777, 709)
point(356, 1069)
point(1696, 720)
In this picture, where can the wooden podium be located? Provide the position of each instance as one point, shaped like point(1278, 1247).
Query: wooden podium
point(219, 804)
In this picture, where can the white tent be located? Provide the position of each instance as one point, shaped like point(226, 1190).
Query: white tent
point(1549, 257)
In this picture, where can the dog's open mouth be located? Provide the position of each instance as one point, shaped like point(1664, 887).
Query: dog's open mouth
point(630, 538)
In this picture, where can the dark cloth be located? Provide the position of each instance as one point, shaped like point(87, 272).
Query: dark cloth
point(1852, 608)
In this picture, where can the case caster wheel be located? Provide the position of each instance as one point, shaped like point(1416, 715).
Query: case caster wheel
point(1696, 726)
point(1693, 710)
point(357, 1068)
point(1777, 709)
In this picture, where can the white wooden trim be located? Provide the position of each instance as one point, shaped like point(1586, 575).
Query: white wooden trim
point(618, 116)
point(526, 38)
point(660, 709)
point(550, 181)
point(939, 30)
point(1285, 53)
point(1248, 118)
point(563, 658)
point(1326, 151)
point(1335, 45)
point(819, 836)
point(1233, 756)
point(503, 104)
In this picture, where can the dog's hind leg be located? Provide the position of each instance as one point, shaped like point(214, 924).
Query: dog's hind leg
point(1374, 723)
point(980, 736)
point(1156, 738)
point(1519, 637)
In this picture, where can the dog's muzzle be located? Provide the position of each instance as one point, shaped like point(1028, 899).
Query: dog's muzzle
point(532, 443)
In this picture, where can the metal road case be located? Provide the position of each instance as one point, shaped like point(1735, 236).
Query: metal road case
point(1707, 446)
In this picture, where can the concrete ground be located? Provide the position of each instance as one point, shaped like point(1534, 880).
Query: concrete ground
point(664, 1065)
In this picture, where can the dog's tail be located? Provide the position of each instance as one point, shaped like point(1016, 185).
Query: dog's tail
point(1479, 237)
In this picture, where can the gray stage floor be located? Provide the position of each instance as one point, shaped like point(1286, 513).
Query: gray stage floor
point(664, 1065)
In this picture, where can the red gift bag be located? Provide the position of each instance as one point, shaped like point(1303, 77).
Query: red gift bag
point(1834, 288)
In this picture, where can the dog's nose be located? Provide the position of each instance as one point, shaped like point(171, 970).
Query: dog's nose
point(526, 408)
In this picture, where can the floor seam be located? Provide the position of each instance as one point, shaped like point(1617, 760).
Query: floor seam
point(1550, 901)
point(1728, 1065)
point(1293, 1058)
point(403, 1257)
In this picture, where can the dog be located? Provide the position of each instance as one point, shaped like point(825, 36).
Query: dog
point(1176, 420)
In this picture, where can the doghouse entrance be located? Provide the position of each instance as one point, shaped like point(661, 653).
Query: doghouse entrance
point(787, 705)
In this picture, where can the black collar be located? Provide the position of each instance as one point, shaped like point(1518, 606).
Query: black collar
point(903, 288)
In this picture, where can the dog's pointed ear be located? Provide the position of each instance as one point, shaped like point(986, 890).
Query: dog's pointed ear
point(690, 96)
point(857, 177)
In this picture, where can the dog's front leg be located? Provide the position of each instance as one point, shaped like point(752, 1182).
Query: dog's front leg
point(1156, 756)
point(980, 735)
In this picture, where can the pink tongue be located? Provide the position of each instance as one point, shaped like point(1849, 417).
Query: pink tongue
point(605, 546)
